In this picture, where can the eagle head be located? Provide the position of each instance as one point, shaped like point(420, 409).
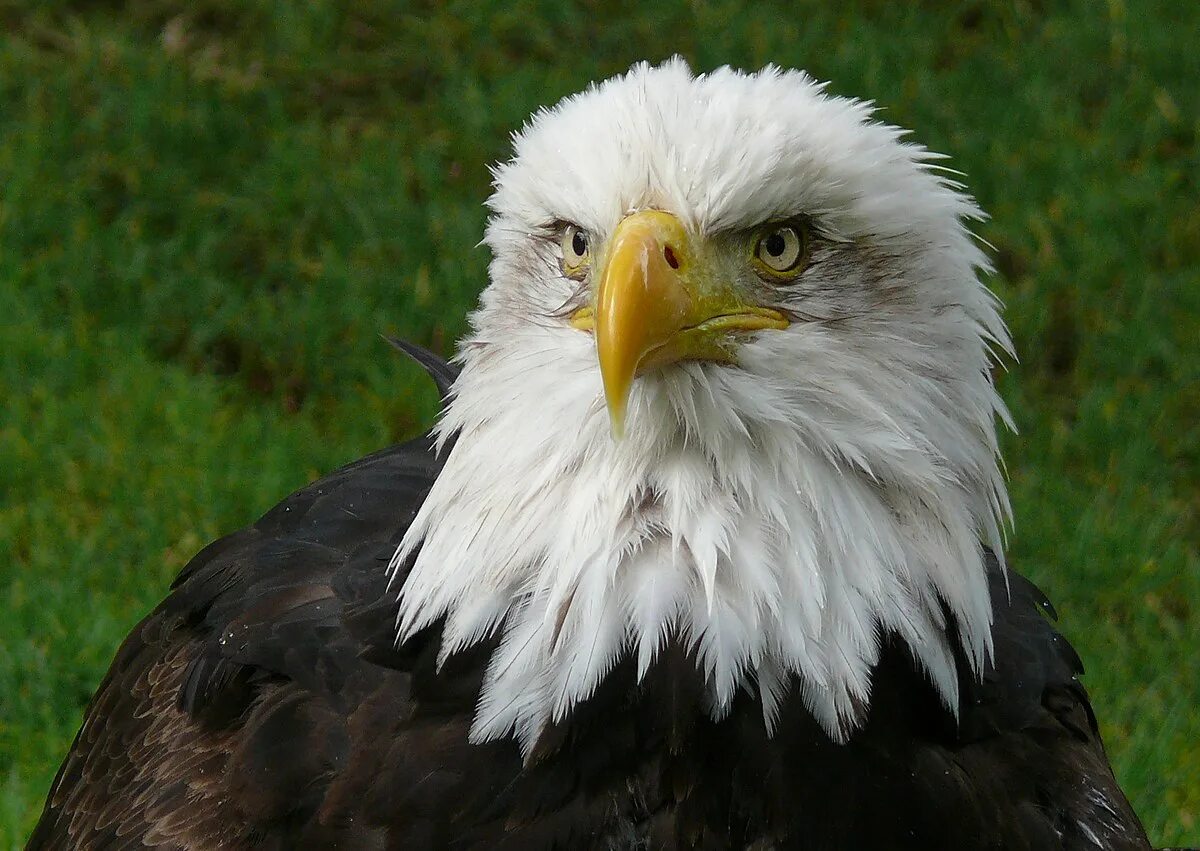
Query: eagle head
point(729, 386)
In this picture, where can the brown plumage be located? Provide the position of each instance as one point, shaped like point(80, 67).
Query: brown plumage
point(263, 705)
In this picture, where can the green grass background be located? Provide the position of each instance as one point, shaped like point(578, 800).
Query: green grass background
point(209, 212)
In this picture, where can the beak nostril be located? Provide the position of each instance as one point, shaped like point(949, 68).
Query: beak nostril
point(669, 256)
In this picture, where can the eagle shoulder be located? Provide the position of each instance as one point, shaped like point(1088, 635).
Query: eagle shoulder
point(264, 697)
point(1028, 734)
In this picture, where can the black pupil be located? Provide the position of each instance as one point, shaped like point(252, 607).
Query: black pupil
point(579, 243)
point(775, 244)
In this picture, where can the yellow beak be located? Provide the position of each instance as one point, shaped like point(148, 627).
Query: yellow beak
point(658, 302)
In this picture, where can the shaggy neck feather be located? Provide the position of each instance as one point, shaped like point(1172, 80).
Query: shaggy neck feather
point(779, 544)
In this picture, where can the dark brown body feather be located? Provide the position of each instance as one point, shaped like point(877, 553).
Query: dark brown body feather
point(262, 705)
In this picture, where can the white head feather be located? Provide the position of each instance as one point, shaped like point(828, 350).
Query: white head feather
point(778, 516)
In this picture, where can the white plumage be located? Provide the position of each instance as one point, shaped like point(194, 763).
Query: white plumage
point(841, 479)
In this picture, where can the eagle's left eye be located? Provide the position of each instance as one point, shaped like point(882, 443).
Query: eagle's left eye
point(781, 251)
point(576, 251)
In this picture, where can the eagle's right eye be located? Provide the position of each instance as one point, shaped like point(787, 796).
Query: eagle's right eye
point(576, 251)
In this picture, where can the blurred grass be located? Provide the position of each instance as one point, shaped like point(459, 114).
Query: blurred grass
point(210, 211)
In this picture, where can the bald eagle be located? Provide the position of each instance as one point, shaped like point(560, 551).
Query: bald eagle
point(704, 551)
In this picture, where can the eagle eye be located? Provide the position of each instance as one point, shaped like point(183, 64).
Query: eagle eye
point(781, 251)
point(576, 251)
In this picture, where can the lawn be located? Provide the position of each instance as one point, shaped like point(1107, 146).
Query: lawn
point(209, 212)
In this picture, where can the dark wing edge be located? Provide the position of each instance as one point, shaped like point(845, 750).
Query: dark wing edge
point(443, 374)
point(240, 687)
point(1029, 710)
